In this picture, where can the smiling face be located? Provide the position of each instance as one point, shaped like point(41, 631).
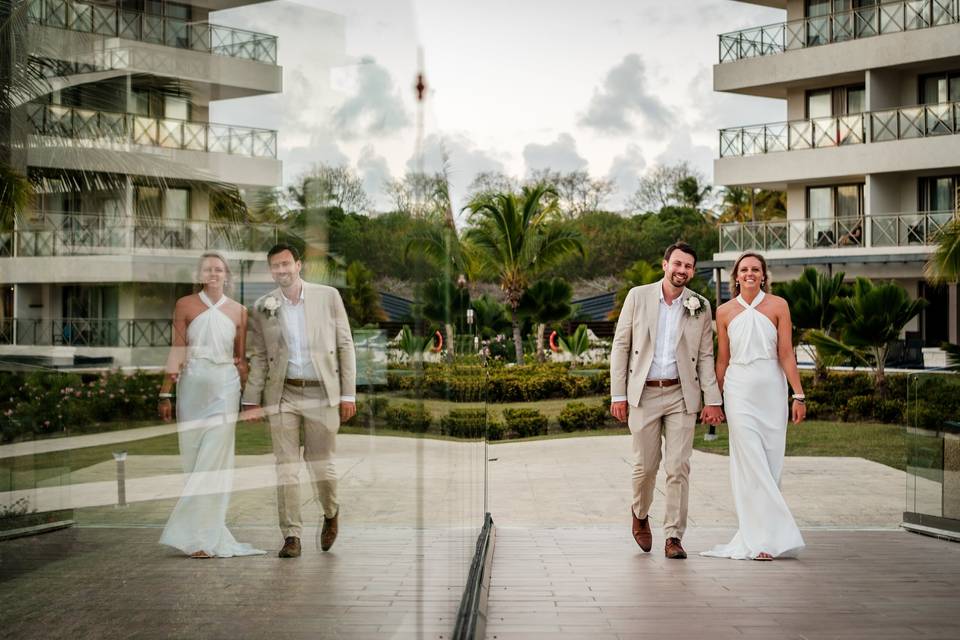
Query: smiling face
point(751, 274)
point(213, 273)
point(285, 269)
point(679, 268)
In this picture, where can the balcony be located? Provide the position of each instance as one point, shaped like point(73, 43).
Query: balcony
point(64, 234)
point(85, 332)
point(904, 123)
point(110, 21)
point(126, 128)
point(864, 22)
point(875, 231)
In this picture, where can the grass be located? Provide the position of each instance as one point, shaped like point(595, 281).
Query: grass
point(883, 443)
point(439, 408)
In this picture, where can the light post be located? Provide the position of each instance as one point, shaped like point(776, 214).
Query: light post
point(470, 329)
point(121, 457)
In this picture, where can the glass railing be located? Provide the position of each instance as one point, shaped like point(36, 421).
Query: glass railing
point(883, 230)
point(110, 21)
point(88, 124)
point(903, 123)
point(864, 22)
point(64, 234)
point(86, 332)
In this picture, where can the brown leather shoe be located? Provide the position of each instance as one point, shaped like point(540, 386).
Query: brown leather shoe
point(291, 548)
point(674, 550)
point(641, 531)
point(329, 533)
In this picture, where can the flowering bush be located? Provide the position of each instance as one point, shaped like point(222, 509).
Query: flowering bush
point(45, 402)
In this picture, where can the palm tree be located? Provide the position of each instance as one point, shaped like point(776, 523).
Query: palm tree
point(869, 320)
point(412, 345)
point(15, 194)
point(810, 298)
point(490, 316)
point(577, 344)
point(545, 302)
point(640, 273)
point(944, 264)
point(444, 302)
point(515, 237)
point(361, 298)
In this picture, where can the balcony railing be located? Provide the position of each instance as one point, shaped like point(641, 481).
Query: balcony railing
point(127, 128)
point(877, 126)
point(66, 234)
point(877, 231)
point(85, 332)
point(864, 22)
point(110, 21)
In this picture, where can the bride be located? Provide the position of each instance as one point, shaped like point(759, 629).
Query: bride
point(208, 364)
point(755, 360)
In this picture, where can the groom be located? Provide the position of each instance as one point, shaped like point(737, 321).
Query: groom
point(303, 365)
point(661, 365)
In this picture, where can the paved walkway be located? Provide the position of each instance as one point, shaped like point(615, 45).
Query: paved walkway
point(593, 582)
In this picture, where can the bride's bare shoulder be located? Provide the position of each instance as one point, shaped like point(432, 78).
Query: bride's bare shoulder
point(725, 308)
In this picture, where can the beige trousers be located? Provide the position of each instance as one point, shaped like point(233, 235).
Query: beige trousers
point(305, 408)
point(661, 416)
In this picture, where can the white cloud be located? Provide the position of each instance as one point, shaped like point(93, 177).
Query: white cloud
point(560, 155)
point(623, 103)
point(375, 108)
point(375, 173)
point(625, 172)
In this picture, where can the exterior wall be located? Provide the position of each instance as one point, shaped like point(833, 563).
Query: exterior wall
point(835, 164)
point(121, 268)
point(228, 77)
point(770, 75)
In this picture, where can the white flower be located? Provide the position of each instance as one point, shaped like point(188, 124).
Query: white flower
point(693, 305)
point(269, 306)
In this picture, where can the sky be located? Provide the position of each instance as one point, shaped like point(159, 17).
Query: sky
point(612, 87)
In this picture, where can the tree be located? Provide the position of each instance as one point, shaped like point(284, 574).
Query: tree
point(610, 243)
point(742, 204)
point(546, 301)
point(488, 183)
point(412, 345)
point(640, 273)
point(811, 300)
point(577, 192)
point(330, 186)
point(515, 239)
point(445, 303)
point(660, 187)
point(15, 195)
point(944, 264)
point(690, 192)
point(418, 194)
point(490, 317)
point(361, 298)
point(576, 344)
point(869, 320)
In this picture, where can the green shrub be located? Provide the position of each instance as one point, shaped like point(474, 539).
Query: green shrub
point(859, 408)
point(933, 400)
point(408, 417)
point(577, 415)
point(495, 431)
point(464, 423)
point(523, 423)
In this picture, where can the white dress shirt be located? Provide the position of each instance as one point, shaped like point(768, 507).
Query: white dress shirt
point(664, 365)
point(299, 365)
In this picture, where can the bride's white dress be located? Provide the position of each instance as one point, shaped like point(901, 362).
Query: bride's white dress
point(208, 398)
point(755, 401)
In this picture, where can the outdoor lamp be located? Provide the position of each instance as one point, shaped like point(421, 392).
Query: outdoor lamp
point(470, 317)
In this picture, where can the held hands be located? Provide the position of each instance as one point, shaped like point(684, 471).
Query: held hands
point(251, 413)
point(165, 410)
point(712, 415)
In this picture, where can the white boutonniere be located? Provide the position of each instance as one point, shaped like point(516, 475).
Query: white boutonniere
point(269, 306)
point(694, 304)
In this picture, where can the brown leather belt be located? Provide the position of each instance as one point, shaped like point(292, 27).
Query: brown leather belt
point(663, 383)
point(294, 382)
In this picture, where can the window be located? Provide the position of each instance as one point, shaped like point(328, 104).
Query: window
point(176, 204)
point(938, 193)
point(836, 215)
point(148, 203)
point(940, 87)
point(819, 104)
point(176, 107)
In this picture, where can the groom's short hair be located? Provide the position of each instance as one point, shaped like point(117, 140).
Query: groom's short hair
point(682, 246)
point(280, 248)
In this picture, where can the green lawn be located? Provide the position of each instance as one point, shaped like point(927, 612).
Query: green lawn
point(883, 443)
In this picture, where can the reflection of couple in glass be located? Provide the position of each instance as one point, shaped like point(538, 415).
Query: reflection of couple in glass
point(662, 373)
point(302, 363)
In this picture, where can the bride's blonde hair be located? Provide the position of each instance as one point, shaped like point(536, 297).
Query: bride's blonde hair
point(227, 282)
point(764, 283)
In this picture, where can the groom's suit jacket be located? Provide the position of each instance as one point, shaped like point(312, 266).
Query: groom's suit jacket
point(635, 340)
point(328, 338)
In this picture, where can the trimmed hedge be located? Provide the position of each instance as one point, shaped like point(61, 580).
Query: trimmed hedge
point(408, 417)
point(523, 423)
point(470, 424)
point(578, 415)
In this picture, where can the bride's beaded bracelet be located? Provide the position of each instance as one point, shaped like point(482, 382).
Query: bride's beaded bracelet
point(799, 397)
point(165, 396)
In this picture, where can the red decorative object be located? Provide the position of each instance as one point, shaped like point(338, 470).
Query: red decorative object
point(438, 346)
point(553, 342)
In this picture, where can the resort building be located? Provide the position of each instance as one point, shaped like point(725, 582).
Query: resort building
point(131, 179)
point(868, 153)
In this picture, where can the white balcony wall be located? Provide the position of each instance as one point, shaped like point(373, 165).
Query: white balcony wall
point(222, 77)
point(836, 63)
point(105, 269)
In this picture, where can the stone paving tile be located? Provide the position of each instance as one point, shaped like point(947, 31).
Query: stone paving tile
point(593, 582)
point(388, 582)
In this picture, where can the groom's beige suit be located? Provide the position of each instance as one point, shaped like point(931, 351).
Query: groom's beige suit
point(325, 374)
point(654, 346)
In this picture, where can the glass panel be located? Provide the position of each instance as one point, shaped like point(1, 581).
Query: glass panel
point(856, 100)
point(820, 211)
point(176, 204)
point(819, 104)
point(935, 90)
point(848, 201)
